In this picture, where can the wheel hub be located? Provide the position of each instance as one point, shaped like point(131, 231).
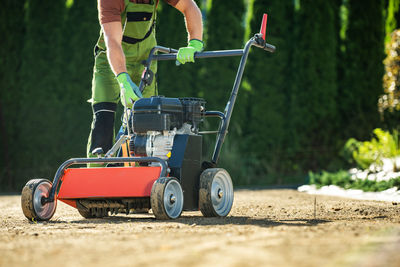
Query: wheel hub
point(172, 198)
point(220, 193)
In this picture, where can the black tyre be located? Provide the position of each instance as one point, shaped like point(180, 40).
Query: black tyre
point(216, 193)
point(166, 198)
point(31, 200)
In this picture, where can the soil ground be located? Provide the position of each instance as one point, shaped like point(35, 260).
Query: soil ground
point(264, 228)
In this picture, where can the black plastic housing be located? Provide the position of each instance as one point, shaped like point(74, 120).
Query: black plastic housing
point(159, 113)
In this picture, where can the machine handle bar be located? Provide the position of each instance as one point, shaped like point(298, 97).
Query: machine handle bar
point(206, 54)
point(213, 54)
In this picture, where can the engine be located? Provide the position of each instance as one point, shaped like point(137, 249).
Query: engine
point(157, 120)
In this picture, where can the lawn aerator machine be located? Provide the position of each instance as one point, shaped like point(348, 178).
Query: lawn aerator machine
point(156, 162)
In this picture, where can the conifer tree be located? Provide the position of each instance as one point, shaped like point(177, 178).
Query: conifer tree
point(81, 31)
point(225, 30)
point(40, 116)
point(362, 69)
point(12, 27)
point(313, 109)
point(269, 77)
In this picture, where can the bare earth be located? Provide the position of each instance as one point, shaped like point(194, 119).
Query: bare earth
point(265, 228)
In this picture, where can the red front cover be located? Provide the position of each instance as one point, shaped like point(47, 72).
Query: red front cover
point(108, 182)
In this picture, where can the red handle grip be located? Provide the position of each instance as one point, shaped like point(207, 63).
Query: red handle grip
point(264, 25)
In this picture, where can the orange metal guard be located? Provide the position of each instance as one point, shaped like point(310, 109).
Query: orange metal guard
point(114, 182)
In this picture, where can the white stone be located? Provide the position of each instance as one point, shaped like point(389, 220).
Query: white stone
point(391, 194)
point(362, 175)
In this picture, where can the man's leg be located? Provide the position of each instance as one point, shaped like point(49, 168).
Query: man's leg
point(105, 96)
point(102, 131)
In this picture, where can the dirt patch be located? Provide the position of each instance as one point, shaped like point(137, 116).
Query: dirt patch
point(265, 227)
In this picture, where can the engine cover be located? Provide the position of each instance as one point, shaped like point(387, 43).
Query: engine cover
point(159, 113)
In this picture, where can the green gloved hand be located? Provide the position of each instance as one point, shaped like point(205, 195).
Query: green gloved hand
point(129, 90)
point(186, 54)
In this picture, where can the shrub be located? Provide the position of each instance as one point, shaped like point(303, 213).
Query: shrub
point(383, 145)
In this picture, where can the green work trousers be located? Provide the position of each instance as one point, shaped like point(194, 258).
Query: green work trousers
point(106, 91)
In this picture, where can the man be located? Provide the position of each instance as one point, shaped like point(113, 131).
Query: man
point(127, 35)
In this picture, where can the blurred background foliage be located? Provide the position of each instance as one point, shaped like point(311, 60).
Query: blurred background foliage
point(295, 110)
point(391, 80)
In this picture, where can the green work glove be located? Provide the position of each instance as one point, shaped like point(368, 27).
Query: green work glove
point(186, 54)
point(129, 90)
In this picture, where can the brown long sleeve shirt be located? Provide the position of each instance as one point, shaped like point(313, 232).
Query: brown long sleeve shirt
point(110, 10)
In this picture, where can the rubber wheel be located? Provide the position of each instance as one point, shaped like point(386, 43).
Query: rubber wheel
point(166, 198)
point(216, 193)
point(31, 200)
